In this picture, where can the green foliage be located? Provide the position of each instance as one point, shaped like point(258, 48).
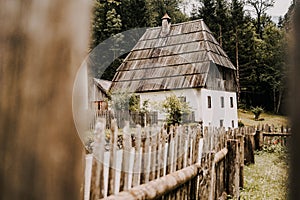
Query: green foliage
point(120, 101)
point(134, 103)
point(129, 102)
point(157, 8)
point(106, 20)
point(274, 147)
point(240, 124)
point(257, 111)
point(145, 107)
point(133, 14)
point(111, 17)
point(260, 8)
point(174, 109)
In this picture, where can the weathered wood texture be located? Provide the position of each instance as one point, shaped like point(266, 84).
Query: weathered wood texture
point(42, 45)
point(266, 135)
point(233, 168)
point(153, 153)
point(159, 187)
point(142, 155)
point(187, 57)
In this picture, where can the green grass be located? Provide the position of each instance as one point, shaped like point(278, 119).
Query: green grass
point(267, 178)
point(247, 118)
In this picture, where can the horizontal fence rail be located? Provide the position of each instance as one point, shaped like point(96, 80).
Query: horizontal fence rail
point(159, 187)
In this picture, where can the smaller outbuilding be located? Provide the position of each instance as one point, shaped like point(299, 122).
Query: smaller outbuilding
point(99, 94)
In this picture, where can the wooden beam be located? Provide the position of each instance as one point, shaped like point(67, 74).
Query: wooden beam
point(276, 134)
point(159, 187)
point(220, 155)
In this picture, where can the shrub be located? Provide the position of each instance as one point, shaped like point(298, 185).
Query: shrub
point(240, 124)
point(174, 109)
point(257, 111)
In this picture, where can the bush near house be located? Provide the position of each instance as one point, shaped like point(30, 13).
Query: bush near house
point(174, 109)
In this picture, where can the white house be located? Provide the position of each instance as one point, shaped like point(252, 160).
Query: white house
point(184, 59)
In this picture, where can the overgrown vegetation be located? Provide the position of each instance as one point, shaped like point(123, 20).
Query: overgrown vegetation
point(268, 178)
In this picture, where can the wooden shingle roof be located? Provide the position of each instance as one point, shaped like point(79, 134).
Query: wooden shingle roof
point(104, 85)
point(179, 60)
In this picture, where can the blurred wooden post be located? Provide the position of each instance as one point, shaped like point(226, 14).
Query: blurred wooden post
point(232, 164)
point(258, 138)
point(43, 43)
point(137, 158)
point(294, 106)
point(241, 139)
point(248, 150)
point(88, 175)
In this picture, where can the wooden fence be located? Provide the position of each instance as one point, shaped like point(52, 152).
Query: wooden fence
point(264, 137)
point(134, 118)
point(180, 162)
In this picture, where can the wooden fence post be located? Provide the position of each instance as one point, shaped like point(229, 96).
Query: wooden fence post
point(88, 175)
point(232, 162)
point(42, 45)
point(241, 139)
point(213, 180)
point(137, 158)
point(258, 139)
point(249, 151)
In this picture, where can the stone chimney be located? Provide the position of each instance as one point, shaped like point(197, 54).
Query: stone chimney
point(166, 25)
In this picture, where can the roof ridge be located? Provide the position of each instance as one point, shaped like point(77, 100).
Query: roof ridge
point(177, 24)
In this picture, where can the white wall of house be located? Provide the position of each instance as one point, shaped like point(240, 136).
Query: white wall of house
point(198, 101)
point(227, 113)
point(192, 96)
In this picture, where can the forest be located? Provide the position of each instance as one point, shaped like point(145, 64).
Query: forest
point(255, 44)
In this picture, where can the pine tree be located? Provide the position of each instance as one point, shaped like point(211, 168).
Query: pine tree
point(260, 8)
point(106, 20)
point(133, 14)
point(237, 20)
point(157, 8)
point(207, 13)
point(222, 22)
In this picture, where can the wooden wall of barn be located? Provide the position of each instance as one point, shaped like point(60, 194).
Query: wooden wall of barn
point(221, 78)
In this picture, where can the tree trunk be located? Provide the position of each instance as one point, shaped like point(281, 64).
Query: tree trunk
point(42, 46)
point(220, 35)
point(259, 32)
point(279, 101)
point(274, 100)
point(237, 65)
